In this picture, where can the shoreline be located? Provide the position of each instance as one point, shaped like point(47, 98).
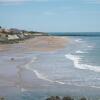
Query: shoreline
point(39, 44)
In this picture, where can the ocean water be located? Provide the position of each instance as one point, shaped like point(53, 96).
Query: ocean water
point(73, 70)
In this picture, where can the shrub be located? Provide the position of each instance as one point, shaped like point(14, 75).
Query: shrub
point(68, 98)
point(2, 98)
point(54, 98)
point(83, 98)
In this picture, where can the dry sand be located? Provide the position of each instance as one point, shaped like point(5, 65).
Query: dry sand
point(45, 43)
point(42, 43)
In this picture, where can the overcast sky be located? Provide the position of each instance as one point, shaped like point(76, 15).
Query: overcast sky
point(51, 15)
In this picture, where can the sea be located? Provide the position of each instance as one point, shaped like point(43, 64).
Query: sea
point(71, 71)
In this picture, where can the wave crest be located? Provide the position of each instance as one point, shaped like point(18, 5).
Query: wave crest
point(76, 60)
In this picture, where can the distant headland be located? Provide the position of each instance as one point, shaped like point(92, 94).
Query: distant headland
point(14, 35)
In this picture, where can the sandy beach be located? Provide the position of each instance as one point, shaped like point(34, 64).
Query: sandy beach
point(42, 43)
point(11, 70)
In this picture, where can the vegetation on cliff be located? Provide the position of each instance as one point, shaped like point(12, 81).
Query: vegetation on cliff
point(64, 98)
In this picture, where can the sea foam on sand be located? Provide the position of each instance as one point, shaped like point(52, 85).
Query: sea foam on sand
point(38, 74)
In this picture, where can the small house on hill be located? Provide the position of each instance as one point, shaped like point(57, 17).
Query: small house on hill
point(5, 34)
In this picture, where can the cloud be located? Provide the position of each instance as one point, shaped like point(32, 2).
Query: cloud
point(18, 1)
point(13, 2)
point(4, 1)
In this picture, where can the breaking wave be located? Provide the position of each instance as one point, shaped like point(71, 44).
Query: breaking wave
point(76, 60)
point(71, 57)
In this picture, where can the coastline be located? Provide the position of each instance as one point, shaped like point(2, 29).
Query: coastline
point(33, 69)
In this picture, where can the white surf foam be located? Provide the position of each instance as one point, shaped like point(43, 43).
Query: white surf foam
point(90, 46)
point(79, 51)
point(23, 90)
point(41, 76)
point(76, 60)
point(79, 40)
point(38, 74)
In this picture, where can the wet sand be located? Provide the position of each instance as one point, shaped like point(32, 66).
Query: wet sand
point(13, 72)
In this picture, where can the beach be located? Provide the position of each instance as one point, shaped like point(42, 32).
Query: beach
point(15, 60)
point(47, 66)
point(39, 43)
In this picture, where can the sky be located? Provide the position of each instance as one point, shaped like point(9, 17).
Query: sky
point(51, 15)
